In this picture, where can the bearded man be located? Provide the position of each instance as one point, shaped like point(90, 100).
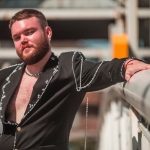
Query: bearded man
point(40, 97)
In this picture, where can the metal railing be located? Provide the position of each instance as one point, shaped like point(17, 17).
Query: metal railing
point(125, 115)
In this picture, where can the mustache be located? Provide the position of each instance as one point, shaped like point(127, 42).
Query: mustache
point(26, 46)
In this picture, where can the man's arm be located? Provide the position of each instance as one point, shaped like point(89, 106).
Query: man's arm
point(89, 76)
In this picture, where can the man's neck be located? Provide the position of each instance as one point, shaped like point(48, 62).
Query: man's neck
point(38, 67)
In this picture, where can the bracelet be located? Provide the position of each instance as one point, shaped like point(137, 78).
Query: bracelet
point(123, 68)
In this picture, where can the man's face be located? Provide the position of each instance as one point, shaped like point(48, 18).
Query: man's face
point(31, 42)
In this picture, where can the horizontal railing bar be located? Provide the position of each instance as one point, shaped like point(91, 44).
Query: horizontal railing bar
point(137, 92)
point(145, 131)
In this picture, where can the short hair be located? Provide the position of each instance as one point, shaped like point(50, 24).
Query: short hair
point(28, 13)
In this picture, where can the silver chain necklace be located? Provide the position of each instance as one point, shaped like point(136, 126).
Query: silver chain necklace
point(33, 75)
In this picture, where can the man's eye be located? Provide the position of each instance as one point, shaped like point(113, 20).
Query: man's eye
point(16, 38)
point(29, 32)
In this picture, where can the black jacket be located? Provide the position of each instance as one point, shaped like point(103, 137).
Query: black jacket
point(55, 100)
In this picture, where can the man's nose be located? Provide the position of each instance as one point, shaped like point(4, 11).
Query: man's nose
point(24, 40)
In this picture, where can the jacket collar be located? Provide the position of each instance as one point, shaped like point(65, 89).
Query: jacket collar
point(10, 84)
point(39, 88)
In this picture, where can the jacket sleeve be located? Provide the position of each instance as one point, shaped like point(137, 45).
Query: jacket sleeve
point(89, 76)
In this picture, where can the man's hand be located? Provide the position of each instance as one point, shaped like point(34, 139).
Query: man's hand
point(132, 66)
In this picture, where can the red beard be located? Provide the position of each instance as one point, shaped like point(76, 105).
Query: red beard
point(38, 53)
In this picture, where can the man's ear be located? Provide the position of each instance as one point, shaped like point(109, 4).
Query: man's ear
point(48, 32)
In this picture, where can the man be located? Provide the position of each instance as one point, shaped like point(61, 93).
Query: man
point(40, 97)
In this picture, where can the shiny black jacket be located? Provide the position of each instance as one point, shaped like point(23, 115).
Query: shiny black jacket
point(55, 100)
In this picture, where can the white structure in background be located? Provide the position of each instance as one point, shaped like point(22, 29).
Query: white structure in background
point(96, 9)
point(133, 13)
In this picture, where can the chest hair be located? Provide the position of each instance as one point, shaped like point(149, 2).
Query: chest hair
point(20, 99)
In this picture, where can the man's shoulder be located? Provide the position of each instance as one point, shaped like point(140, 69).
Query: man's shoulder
point(71, 54)
point(9, 68)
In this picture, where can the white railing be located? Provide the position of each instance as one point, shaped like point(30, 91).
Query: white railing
point(125, 115)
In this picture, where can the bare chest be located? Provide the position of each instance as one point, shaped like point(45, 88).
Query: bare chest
point(20, 99)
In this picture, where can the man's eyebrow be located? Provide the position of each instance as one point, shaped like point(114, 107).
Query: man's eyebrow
point(31, 28)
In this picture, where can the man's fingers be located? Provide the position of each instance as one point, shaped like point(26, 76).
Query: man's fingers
point(127, 77)
point(148, 66)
